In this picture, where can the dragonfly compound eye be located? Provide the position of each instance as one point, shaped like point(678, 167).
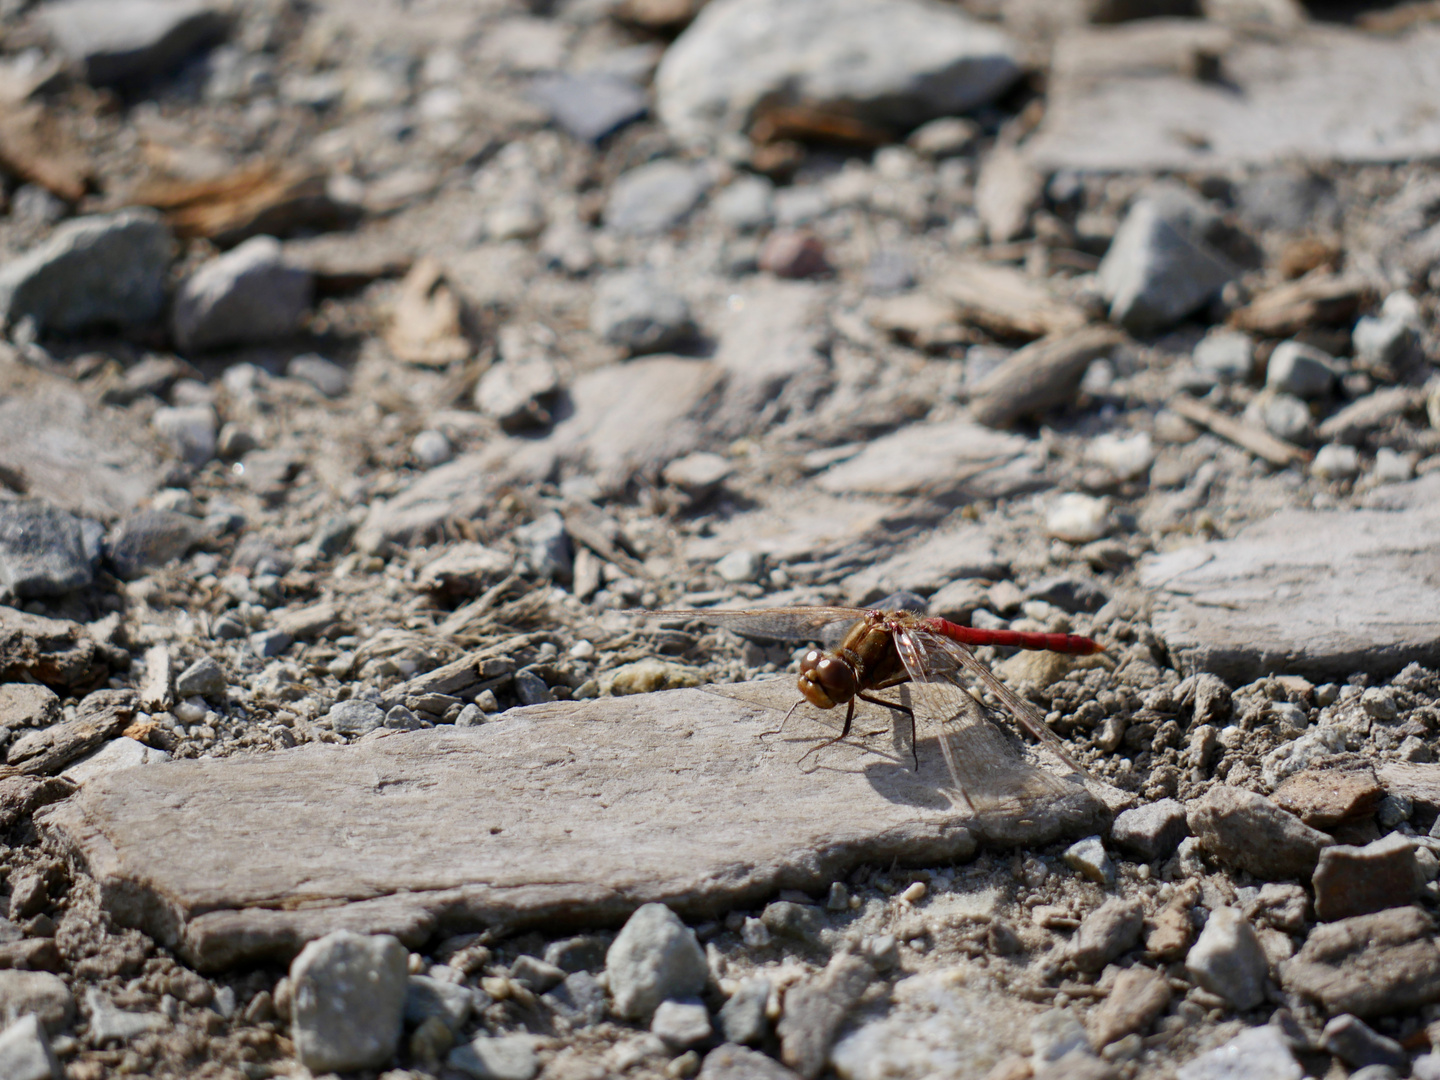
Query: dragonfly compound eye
point(836, 678)
point(814, 669)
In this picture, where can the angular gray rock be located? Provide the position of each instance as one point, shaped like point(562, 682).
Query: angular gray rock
point(536, 974)
point(655, 958)
point(1089, 858)
point(1369, 965)
point(730, 1062)
point(815, 1009)
point(630, 420)
point(348, 1000)
point(150, 539)
point(1301, 370)
point(746, 204)
point(1314, 593)
point(246, 296)
point(1227, 959)
point(742, 1018)
point(355, 717)
point(506, 1057)
point(39, 993)
point(1251, 833)
point(1159, 267)
point(637, 311)
point(25, 1052)
point(118, 41)
point(1151, 831)
point(204, 677)
point(45, 551)
point(893, 64)
point(654, 197)
point(1358, 1044)
point(426, 997)
point(111, 1024)
point(324, 375)
point(105, 269)
point(1228, 355)
point(681, 1024)
point(580, 1000)
point(519, 393)
point(189, 429)
point(772, 344)
point(590, 106)
point(190, 823)
point(1259, 1053)
point(1111, 929)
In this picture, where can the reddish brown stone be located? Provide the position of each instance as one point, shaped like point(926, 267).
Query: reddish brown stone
point(1323, 798)
point(1358, 880)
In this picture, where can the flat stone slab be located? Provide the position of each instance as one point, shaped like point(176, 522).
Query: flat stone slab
point(1127, 97)
point(1321, 594)
point(953, 459)
point(571, 812)
point(55, 444)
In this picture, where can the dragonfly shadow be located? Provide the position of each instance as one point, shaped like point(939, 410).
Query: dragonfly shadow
point(898, 782)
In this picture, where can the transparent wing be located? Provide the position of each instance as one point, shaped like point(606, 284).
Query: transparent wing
point(992, 774)
point(776, 624)
point(948, 658)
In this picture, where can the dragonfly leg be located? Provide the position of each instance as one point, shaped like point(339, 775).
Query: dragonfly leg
point(785, 721)
point(914, 747)
point(844, 731)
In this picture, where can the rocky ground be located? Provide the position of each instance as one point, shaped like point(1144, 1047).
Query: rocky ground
point(365, 363)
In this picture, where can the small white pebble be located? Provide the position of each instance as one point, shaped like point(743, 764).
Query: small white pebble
point(755, 933)
point(190, 711)
point(914, 893)
point(431, 448)
point(1335, 461)
point(582, 650)
point(1077, 518)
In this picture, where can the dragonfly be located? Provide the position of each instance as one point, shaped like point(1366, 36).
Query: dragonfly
point(883, 649)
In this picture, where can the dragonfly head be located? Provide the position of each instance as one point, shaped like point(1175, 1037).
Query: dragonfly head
point(826, 681)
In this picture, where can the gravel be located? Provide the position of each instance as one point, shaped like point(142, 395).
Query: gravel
point(354, 393)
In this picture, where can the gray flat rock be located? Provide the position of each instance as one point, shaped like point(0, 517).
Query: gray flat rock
point(809, 525)
point(96, 463)
point(897, 62)
point(1320, 594)
point(770, 350)
point(460, 489)
point(94, 271)
point(952, 459)
point(939, 558)
point(1127, 97)
point(633, 418)
point(565, 811)
point(133, 39)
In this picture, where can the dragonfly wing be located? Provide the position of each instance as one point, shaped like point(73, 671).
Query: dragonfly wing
point(774, 624)
point(993, 776)
point(948, 655)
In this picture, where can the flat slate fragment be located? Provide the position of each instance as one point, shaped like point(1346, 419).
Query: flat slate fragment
point(1320, 594)
point(563, 812)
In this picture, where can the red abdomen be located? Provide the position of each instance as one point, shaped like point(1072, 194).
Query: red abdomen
point(1073, 644)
